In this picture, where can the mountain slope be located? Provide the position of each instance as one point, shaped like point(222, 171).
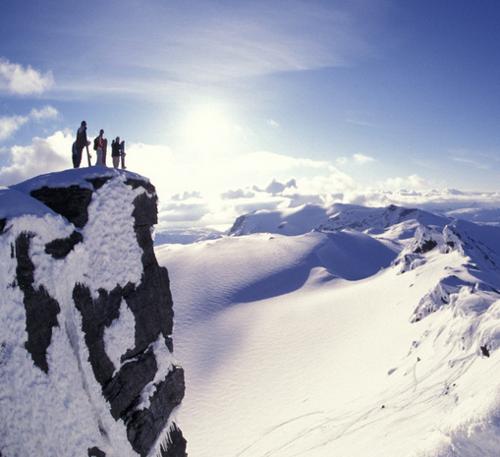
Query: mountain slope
point(397, 361)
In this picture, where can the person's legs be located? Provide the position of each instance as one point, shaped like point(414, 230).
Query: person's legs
point(116, 161)
point(78, 159)
point(99, 157)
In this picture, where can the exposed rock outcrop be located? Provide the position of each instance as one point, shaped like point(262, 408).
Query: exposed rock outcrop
point(92, 309)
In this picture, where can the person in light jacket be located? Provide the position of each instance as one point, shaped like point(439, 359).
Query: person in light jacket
point(100, 146)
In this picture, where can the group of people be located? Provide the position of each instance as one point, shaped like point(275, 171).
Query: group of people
point(100, 146)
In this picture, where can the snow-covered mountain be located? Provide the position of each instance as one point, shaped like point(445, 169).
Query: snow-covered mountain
point(375, 334)
point(304, 218)
point(86, 363)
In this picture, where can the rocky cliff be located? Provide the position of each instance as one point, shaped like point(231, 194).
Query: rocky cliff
point(86, 352)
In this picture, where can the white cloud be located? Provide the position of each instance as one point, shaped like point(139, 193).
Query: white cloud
point(414, 182)
point(186, 195)
point(236, 194)
point(11, 124)
point(362, 159)
point(272, 123)
point(358, 159)
point(47, 112)
point(43, 155)
point(21, 80)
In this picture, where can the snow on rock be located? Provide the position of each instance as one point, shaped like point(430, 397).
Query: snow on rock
point(86, 317)
point(424, 240)
point(120, 335)
point(400, 359)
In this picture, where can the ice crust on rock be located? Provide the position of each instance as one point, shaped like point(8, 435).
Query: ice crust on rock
point(84, 309)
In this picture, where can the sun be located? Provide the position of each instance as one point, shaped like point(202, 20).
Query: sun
point(208, 127)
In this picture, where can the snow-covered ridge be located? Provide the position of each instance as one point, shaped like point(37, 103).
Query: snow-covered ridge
point(310, 359)
point(339, 216)
point(86, 364)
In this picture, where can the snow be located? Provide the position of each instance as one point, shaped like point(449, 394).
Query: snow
point(305, 345)
point(339, 216)
point(120, 335)
point(14, 203)
point(290, 221)
point(110, 217)
point(76, 176)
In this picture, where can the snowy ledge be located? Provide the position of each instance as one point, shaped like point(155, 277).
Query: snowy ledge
point(74, 177)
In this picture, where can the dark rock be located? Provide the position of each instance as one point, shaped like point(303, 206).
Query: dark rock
point(145, 425)
point(61, 247)
point(96, 452)
point(2, 227)
point(124, 389)
point(485, 351)
point(145, 210)
point(151, 301)
point(426, 246)
point(176, 446)
point(238, 223)
point(71, 202)
point(41, 308)
point(135, 183)
point(96, 316)
point(99, 182)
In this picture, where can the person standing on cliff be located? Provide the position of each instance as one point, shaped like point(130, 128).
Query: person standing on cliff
point(122, 154)
point(80, 143)
point(115, 152)
point(100, 146)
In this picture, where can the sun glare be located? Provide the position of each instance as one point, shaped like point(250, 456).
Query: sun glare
point(208, 128)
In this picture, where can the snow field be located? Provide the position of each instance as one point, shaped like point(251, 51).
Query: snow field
point(325, 364)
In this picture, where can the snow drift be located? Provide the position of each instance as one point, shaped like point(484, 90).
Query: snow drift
point(86, 364)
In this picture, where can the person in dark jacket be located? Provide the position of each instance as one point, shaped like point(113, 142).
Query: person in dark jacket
point(80, 143)
point(122, 154)
point(115, 152)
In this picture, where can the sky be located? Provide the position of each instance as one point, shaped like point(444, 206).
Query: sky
point(223, 103)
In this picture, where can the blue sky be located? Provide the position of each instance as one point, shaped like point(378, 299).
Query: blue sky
point(387, 93)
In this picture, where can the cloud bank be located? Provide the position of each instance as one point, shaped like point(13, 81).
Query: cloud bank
point(213, 192)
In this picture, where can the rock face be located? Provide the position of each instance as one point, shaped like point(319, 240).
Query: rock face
point(89, 318)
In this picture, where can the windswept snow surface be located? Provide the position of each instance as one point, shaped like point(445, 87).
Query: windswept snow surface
point(309, 346)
